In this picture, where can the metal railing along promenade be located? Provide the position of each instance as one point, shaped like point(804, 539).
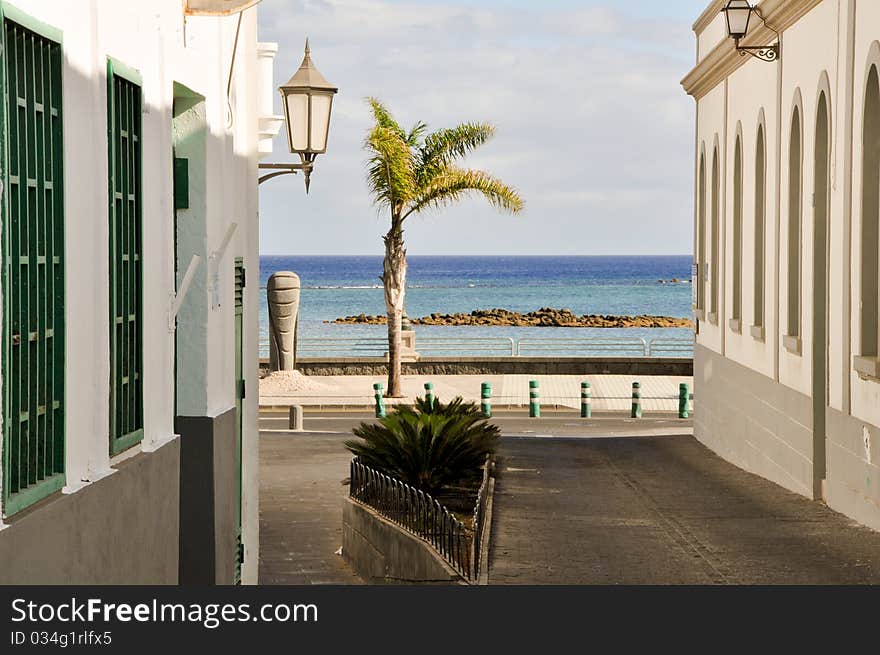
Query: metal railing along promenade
point(496, 347)
point(422, 515)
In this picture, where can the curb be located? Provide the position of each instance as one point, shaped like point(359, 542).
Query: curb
point(483, 577)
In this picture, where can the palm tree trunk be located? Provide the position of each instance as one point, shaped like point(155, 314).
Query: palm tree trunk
point(394, 282)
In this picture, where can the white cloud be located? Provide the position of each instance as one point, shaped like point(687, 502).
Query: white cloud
point(591, 120)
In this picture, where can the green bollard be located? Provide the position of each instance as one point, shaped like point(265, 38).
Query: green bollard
point(429, 394)
point(684, 395)
point(534, 400)
point(586, 400)
point(380, 401)
point(636, 401)
point(486, 399)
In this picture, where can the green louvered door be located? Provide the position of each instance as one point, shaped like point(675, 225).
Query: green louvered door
point(239, 406)
point(126, 267)
point(33, 267)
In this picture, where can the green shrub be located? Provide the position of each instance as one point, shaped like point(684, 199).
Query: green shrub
point(427, 447)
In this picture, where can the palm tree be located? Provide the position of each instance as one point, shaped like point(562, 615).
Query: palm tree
point(410, 172)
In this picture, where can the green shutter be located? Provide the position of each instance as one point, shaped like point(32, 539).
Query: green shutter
point(33, 263)
point(126, 266)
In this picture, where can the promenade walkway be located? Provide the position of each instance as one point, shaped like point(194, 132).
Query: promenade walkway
point(661, 510)
point(610, 392)
point(301, 494)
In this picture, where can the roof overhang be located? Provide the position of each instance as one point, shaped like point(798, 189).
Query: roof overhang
point(216, 7)
point(724, 59)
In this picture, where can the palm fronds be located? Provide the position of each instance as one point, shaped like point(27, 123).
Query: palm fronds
point(427, 447)
point(451, 184)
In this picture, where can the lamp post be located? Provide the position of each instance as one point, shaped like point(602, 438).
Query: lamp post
point(308, 100)
point(739, 14)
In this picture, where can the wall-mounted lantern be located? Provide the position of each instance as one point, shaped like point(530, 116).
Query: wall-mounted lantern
point(308, 101)
point(739, 15)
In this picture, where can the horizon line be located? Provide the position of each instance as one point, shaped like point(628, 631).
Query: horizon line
point(496, 255)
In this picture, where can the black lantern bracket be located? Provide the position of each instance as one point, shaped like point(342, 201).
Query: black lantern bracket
point(766, 53)
point(306, 165)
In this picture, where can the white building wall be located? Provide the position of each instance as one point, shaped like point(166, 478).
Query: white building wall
point(710, 134)
point(155, 39)
point(865, 393)
point(751, 101)
point(755, 399)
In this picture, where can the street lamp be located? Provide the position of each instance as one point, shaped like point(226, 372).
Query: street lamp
point(308, 100)
point(739, 14)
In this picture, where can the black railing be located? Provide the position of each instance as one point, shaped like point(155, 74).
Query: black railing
point(422, 515)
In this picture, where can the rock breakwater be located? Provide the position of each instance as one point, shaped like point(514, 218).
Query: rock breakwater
point(544, 317)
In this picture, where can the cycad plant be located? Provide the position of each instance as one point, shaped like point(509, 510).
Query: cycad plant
point(413, 171)
point(430, 447)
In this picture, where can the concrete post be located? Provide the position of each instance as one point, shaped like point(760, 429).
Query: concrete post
point(637, 400)
point(380, 401)
point(296, 418)
point(684, 395)
point(534, 400)
point(486, 398)
point(283, 299)
point(586, 400)
point(429, 394)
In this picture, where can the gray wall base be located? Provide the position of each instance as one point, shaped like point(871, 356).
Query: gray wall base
point(853, 481)
point(121, 529)
point(753, 421)
point(380, 551)
point(208, 483)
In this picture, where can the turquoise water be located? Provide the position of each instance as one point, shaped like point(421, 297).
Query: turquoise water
point(343, 286)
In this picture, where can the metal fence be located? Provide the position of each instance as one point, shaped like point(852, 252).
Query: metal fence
point(422, 515)
point(586, 347)
point(495, 347)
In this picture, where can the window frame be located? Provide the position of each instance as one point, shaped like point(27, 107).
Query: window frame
point(13, 503)
point(123, 442)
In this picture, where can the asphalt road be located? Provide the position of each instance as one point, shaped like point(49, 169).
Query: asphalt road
point(661, 510)
point(599, 501)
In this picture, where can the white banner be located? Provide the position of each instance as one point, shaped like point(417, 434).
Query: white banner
point(217, 7)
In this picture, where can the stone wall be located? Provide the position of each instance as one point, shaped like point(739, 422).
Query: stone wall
point(501, 366)
point(381, 552)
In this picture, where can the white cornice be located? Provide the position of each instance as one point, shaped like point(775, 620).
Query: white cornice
point(724, 58)
point(708, 15)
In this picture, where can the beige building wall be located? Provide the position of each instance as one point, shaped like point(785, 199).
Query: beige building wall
point(756, 403)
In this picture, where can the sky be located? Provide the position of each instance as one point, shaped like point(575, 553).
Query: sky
point(593, 127)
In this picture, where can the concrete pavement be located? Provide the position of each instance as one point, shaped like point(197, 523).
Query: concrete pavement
point(610, 392)
point(661, 510)
point(608, 500)
point(301, 494)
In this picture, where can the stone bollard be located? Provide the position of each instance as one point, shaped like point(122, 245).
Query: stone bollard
point(534, 400)
point(684, 395)
point(282, 295)
point(586, 400)
point(380, 401)
point(636, 401)
point(429, 394)
point(486, 399)
point(296, 418)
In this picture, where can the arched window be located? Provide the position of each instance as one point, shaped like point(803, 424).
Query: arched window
point(701, 235)
point(716, 235)
point(870, 216)
point(795, 186)
point(736, 310)
point(760, 220)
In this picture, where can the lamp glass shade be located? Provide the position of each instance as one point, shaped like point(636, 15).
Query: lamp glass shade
point(320, 123)
point(298, 121)
point(308, 100)
point(738, 13)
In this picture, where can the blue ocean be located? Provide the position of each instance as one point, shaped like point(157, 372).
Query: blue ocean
point(333, 287)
